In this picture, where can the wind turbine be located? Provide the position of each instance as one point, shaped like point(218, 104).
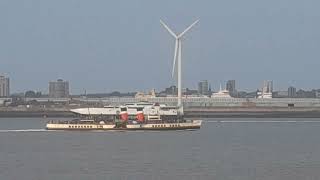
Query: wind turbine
point(177, 57)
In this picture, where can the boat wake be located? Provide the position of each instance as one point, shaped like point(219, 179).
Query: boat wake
point(22, 130)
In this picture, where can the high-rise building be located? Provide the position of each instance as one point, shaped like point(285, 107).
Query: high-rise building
point(292, 92)
point(231, 87)
point(59, 89)
point(4, 86)
point(203, 87)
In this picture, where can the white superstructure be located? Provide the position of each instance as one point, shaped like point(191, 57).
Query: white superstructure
point(132, 109)
point(221, 94)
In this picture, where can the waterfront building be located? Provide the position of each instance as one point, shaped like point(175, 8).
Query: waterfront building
point(4, 86)
point(151, 94)
point(172, 90)
point(280, 94)
point(231, 87)
point(292, 92)
point(203, 87)
point(317, 94)
point(59, 89)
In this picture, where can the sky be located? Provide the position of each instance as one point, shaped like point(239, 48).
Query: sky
point(103, 46)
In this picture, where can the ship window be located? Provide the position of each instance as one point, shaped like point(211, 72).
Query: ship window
point(69, 126)
point(123, 109)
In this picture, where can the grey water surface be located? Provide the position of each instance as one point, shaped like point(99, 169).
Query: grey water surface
point(220, 150)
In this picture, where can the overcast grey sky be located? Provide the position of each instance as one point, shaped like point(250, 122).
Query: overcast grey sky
point(101, 45)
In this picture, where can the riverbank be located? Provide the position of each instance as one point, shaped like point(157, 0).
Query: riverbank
point(189, 113)
point(252, 112)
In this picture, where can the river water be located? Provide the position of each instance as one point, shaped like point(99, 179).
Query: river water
point(226, 149)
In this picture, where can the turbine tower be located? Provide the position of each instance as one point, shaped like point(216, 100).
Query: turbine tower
point(177, 57)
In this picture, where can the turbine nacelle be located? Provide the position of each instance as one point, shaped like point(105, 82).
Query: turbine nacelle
point(183, 32)
point(178, 41)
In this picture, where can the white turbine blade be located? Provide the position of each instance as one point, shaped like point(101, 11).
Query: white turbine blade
point(168, 29)
point(186, 30)
point(175, 57)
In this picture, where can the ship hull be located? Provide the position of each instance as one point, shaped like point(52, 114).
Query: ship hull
point(134, 127)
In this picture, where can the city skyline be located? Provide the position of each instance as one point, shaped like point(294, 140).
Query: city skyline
point(200, 87)
point(88, 43)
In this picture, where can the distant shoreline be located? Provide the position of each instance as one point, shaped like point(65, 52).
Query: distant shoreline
point(192, 113)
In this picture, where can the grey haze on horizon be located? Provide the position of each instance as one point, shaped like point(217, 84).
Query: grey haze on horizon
point(103, 46)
